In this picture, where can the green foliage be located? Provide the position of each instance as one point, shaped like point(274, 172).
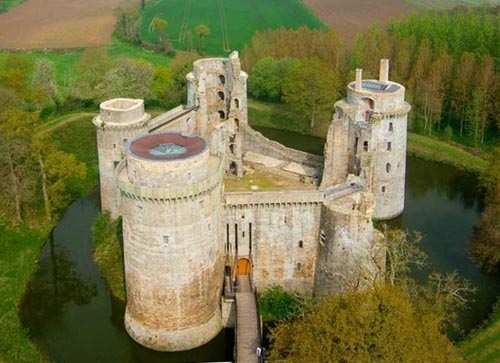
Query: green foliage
point(377, 325)
point(232, 23)
point(448, 133)
point(277, 304)
point(127, 24)
point(268, 77)
point(310, 89)
point(108, 252)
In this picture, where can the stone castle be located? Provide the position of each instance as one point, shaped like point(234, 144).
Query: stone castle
point(186, 238)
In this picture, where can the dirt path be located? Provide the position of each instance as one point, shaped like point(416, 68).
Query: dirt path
point(49, 24)
point(347, 17)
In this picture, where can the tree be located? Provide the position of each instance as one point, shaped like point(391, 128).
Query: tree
point(378, 325)
point(267, 77)
point(55, 169)
point(202, 31)
point(92, 69)
point(310, 89)
point(129, 78)
point(462, 86)
point(163, 85)
point(158, 26)
point(127, 24)
point(16, 130)
point(43, 79)
point(277, 304)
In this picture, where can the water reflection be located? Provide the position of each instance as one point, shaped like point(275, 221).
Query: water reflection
point(71, 315)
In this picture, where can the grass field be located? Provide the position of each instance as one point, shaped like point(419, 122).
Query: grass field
point(483, 346)
point(232, 23)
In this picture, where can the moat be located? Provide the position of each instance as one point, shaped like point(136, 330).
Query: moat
point(72, 316)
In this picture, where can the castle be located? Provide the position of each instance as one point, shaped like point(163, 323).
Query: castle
point(186, 237)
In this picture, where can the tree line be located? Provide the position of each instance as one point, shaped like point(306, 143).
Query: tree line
point(448, 61)
point(34, 172)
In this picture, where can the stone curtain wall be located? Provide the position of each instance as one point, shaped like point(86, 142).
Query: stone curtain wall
point(256, 142)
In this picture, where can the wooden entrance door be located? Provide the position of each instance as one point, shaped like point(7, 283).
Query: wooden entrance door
point(244, 266)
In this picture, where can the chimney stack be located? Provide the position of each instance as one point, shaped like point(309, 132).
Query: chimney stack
point(384, 70)
point(359, 77)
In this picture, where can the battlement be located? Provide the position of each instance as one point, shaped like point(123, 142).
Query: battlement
point(121, 112)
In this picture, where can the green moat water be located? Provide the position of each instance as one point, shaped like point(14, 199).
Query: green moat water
point(72, 317)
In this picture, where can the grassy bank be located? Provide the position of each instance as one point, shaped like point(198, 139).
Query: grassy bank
point(21, 244)
point(436, 150)
point(20, 247)
point(108, 252)
point(483, 345)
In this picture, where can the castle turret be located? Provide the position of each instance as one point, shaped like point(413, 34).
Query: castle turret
point(119, 121)
point(171, 189)
point(372, 121)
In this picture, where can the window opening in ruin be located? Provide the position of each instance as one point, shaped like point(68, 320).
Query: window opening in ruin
point(222, 79)
point(115, 164)
point(368, 116)
point(383, 189)
point(125, 141)
point(227, 238)
point(301, 244)
point(222, 114)
point(114, 146)
point(356, 141)
point(237, 122)
point(236, 238)
point(221, 95)
point(299, 265)
point(166, 240)
point(250, 237)
point(231, 148)
point(284, 220)
point(390, 126)
point(340, 112)
point(365, 145)
point(237, 103)
point(388, 167)
point(322, 237)
point(389, 146)
point(233, 167)
point(243, 234)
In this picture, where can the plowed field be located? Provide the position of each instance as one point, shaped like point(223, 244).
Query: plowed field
point(347, 17)
point(46, 24)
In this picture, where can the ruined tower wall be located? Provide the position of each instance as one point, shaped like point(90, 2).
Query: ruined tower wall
point(119, 121)
point(281, 238)
point(345, 254)
point(173, 250)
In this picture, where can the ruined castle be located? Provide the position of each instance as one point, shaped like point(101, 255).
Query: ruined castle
point(186, 238)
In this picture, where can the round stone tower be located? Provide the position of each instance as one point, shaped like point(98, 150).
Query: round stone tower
point(119, 120)
point(171, 190)
point(382, 118)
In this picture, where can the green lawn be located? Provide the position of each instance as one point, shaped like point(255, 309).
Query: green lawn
point(483, 346)
point(232, 23)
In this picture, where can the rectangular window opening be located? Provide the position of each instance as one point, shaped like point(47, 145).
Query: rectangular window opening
point(389, 146)
point(390, 126)
point(383, 189)
point(301, 244)
point(365, 145)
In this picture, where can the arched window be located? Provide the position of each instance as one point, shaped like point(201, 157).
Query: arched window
point(237, 103)
point(388, 167)
point(222, 114)
point(222, 79)
point(221, 95)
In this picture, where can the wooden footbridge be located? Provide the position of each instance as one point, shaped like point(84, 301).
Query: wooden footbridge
point(248, 328)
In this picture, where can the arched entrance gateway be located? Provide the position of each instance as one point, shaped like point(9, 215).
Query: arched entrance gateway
point(244, 267)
